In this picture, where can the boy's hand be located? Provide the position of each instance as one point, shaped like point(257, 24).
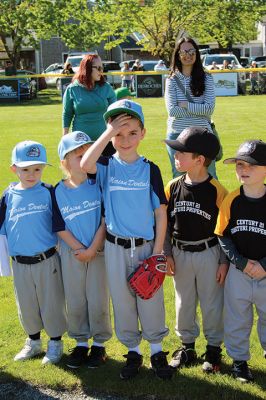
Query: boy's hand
point(254, 270)
point(170, 266)
point(85, 255)
point(221, 273)
point(114, 127)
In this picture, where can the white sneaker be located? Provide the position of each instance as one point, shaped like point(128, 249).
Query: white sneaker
point(31, 349)
point(54, 352)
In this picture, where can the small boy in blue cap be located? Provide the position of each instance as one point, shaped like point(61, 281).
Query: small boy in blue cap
point(82, 233)
point(26, 215)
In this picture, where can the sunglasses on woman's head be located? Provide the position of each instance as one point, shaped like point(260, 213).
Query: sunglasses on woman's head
point(99, 68)
point(190, 52)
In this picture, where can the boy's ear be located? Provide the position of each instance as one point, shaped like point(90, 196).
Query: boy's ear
point(143, 133)
point(13, 168)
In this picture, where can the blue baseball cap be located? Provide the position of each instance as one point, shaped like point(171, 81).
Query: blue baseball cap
point(29, 153)
point(124, 107)
point(72, 141)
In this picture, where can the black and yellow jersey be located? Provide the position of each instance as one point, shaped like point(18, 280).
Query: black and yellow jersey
point(193, 208)
point(243, 220)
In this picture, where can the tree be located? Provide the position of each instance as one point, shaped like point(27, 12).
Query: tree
point(231, 21)
point(24, 22)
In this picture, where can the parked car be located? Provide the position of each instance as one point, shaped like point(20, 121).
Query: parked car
point(53, 69)
point(208, 59)
point(244, 61)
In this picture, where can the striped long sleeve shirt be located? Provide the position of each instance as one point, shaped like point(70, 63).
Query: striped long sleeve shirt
point(198, 113)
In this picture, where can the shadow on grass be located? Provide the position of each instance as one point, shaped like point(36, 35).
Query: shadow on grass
point(106, 383)
point(15, 388)
point(45, 97)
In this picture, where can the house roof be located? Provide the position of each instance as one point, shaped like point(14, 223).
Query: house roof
point(130, 43)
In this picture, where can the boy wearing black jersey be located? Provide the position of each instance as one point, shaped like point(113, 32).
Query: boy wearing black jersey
point(194, 257)
point(241, 230)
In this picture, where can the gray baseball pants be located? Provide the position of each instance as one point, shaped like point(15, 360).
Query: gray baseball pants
point(87, 297)
point(240, 294)
point(130, 309)
point(40, 296)
point(195, 281)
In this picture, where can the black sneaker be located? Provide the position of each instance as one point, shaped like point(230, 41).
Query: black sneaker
point(241, 371)
point(133, 364)
point(78, 357)
point(183, 357)
point(160, 365)
point(212, 359)
point(96, 357)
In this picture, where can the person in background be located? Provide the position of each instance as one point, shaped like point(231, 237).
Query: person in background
point(189, 95)
point(126, 79)
point(86, 99)
point(124, 93)
point(233, 64)
point(137, 66)
point(160, 66)
point(254, 79)
point(226, 65)
point(10, 69)
point(67, 69)
point(214, 66)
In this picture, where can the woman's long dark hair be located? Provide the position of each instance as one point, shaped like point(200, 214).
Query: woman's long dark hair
point(197, 83)
point(83, 75)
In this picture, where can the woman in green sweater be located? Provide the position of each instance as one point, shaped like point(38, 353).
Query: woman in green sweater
point(86, 99)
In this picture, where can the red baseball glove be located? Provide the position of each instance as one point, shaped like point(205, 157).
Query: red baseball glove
point(149, 276)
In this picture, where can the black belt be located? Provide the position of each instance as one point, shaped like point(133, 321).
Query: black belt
point(35, 259)
point(195, 247)
point(126, 243)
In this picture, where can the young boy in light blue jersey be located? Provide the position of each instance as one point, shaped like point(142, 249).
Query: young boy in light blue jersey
point(26, 215)
point(82, 233)
point(135, 216)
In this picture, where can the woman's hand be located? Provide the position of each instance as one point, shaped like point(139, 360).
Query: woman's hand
point(182, 104)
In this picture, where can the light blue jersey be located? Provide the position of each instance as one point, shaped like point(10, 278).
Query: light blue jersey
point(131, 193)
point(26, 219)
point(80, 209)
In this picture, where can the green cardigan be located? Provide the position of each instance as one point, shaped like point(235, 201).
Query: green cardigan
point(85, 108)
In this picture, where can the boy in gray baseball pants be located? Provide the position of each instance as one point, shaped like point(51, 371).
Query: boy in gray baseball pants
point(241, 229)
point(194, 257)
point(26, 215)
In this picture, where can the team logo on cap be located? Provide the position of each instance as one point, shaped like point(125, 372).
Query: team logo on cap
point(81, 137)
point(126, 104)
point(247, 148)
point(33, 152)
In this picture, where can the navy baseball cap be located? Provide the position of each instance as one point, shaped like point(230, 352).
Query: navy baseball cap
point(124, 107)
point(72, 141)
point(251, 151)
point(29, 153)
point(196, 139)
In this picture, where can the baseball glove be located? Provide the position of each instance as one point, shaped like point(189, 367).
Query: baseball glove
point(149, 276)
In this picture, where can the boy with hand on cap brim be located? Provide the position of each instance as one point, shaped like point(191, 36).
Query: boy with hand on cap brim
point(135, 215)
point(26, 220)
point(241, 230)
point(194, 257)
point(82, 232)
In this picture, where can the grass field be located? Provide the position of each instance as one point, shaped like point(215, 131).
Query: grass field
point(237, 119)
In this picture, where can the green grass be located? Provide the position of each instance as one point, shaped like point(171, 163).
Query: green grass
point(237, 119)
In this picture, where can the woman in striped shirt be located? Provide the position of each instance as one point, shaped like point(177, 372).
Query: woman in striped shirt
point(189, 95)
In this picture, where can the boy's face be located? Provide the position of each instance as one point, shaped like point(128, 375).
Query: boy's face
point(249, 174)
point(127, 140)
point(72, 159)
point(185, 161)
point(28, 176)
